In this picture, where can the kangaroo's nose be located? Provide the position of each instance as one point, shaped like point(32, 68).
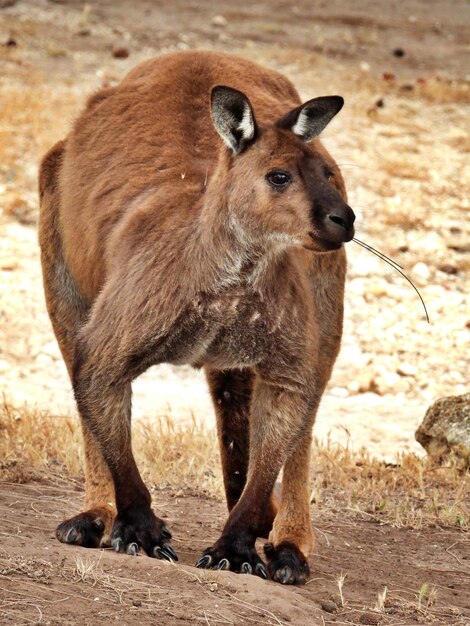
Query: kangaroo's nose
point(340, 222)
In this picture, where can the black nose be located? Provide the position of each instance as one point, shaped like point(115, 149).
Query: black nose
point(339, 223)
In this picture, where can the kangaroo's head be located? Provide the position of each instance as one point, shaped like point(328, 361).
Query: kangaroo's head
point(279, 185)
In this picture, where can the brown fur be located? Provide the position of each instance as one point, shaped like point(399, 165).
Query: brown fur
point(158, 244)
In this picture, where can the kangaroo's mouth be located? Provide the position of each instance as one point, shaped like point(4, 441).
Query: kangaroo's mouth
point(319, 244)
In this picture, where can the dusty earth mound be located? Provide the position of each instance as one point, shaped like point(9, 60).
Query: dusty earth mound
point(362, 573)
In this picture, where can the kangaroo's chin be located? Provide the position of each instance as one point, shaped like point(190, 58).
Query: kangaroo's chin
point(314, 243)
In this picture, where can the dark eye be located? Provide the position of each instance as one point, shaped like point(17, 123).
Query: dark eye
point(279, 179)
point(329, 175)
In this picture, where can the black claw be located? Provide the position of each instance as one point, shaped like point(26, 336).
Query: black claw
point(166, 533)
point(260, 570)
point(246, 568)
point(204, 561)
point(157, 551)
point(224, 564)
point(166, 553)
point(132, 549)
point(72, 536)
point(117, 544)
point(171, 552)
point(283, 575)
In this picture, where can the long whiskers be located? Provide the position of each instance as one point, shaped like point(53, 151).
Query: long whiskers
point(377, 252)
point(395, 266)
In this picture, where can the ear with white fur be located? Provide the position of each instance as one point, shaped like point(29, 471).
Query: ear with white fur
point(233, 117)
point(308, 120)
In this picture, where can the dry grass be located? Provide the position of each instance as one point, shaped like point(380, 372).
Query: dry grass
point(167, 455)
point(413, 492)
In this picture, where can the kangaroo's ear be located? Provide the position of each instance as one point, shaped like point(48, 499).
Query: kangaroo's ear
point(309, 119)
point(233, 117)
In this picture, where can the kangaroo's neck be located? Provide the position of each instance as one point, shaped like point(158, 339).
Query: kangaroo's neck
point(229, 254)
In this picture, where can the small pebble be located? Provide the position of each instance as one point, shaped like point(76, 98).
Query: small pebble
point(447, 268)
point(329, 606)
point(406, 369)
point(8, 264)
point(219, 20)
point(421, 270)
point(380, 103)
point(399, 53)
point(120, 52)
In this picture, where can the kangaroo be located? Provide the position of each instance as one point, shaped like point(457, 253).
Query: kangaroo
point(193, 216)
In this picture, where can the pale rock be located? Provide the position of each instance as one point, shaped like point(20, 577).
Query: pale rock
point(376, 288)
point(354, 387)
point(339, 392)
point(353, 355)
point(388, 382)
point(406, 369)
point(446, 427)
point(219, 20)
point(421, 270)
point(44, 359)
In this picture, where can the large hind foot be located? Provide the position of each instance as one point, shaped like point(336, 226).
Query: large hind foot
point(89, 529)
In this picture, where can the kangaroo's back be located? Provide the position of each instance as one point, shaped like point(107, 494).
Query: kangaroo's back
point(150, 135)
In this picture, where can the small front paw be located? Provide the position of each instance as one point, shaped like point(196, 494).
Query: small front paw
point(286, 564)
point(234, 556)
point(141, 528)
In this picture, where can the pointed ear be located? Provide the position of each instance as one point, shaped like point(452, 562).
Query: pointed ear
point(233, 117)
point(308, 120)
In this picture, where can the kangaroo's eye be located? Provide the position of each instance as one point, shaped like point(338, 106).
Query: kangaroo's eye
point(279, 179)
point(329, 175)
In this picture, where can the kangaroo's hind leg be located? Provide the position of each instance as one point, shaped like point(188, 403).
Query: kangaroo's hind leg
point(68, 311)
point(231, 392)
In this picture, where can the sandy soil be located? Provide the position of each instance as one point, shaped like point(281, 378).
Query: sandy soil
point(40, 578)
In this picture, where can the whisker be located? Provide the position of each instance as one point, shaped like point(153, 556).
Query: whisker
point(396, 267)
point(372, 249)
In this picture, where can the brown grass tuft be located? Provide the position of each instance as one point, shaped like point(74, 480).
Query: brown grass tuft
point(413, 492)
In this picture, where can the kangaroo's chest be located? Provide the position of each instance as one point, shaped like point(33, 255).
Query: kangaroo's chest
point(229, 330)
point(247, 330)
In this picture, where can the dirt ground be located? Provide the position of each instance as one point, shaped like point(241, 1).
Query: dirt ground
point(42, 581)
point(403, 143)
